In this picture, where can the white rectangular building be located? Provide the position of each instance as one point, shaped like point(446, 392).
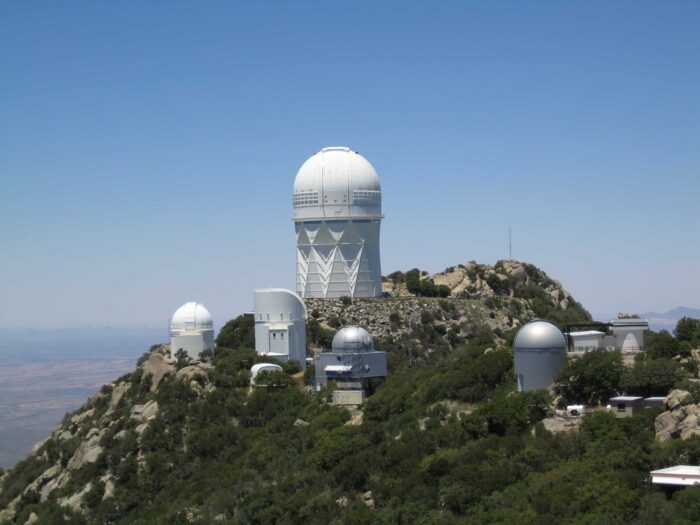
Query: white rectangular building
point(586, 341)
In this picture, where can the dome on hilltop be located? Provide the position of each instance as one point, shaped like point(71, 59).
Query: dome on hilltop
point(352, 338)
point(191, 317)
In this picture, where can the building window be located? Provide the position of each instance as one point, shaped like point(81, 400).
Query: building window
point(282, 335)
point(281, 317)
point(621, 407)
point(268, 317)
point(274, 335)
point(305, 198)
point(366, 196)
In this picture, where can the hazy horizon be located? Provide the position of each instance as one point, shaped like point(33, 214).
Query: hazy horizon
point(147, 155)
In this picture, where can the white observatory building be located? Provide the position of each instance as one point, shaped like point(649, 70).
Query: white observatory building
point(280, 325)
point(540, 352)
point(352, 358)
point(629, 333)
point(191, 329)
point(337, 212)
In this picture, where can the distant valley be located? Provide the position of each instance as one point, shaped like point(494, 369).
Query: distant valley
point(44, 374)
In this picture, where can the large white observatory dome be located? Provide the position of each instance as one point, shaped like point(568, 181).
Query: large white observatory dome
point(337, 183)
point(352, 338)
point(191, 317)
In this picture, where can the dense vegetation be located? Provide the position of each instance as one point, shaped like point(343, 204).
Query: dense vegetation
point(444, 440)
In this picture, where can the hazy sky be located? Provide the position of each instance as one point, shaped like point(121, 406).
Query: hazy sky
point(148, 149)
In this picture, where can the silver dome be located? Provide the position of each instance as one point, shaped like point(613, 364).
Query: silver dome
point(352, 338)
point(539, 335)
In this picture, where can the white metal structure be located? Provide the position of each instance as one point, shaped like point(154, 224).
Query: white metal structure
point(587, 340)
point(280, 325)
point(680, 475)
point(263, 367)
point(352, 358)
point(539, 353)
point(629, 333)
point(337, 213)
point(191, 329)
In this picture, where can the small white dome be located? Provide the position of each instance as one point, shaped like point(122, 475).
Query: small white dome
point(539, 335)
point(191, 317)
point(337, 182)
point(352, 339)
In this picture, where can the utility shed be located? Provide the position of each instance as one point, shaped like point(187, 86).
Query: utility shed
point(680, 475)
point(626, 406)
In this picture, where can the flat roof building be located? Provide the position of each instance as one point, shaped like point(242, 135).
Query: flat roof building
point(680, 475)
point(626, 406)
point(587, 340)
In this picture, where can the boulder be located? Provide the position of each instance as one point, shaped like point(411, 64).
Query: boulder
point(678, 398)
point(75, 502)
point(117, 394)
point(689, 432)
point(157, 366)
point(191, 370)
point(301, 423)
point(32, 519)
point(145, 413)
point(87, 452)
point(56, 483)
point(82, 416)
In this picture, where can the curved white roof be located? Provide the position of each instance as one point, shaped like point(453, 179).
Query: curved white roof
point(191, 317)
point(279, 300)
point(352, 338)
point(337, 183)
point(539, 335)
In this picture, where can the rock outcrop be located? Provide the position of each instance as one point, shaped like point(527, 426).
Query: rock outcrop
point(681, 419)
point(157, 366)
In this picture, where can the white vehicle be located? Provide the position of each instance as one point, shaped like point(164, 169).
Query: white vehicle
point(575, 410)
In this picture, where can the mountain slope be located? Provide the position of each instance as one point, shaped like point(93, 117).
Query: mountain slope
point(443, 440)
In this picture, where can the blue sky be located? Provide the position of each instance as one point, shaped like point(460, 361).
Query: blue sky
point(148, 149)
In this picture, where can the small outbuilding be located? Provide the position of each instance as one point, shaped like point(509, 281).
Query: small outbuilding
point(626, 406)
point(679, 476)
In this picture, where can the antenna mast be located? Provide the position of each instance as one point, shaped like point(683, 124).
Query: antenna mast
point(510, 244)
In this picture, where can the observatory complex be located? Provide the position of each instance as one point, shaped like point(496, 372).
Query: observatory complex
point(540, 352)
point(337, 213)
point(191, 329)
point(280, 325)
